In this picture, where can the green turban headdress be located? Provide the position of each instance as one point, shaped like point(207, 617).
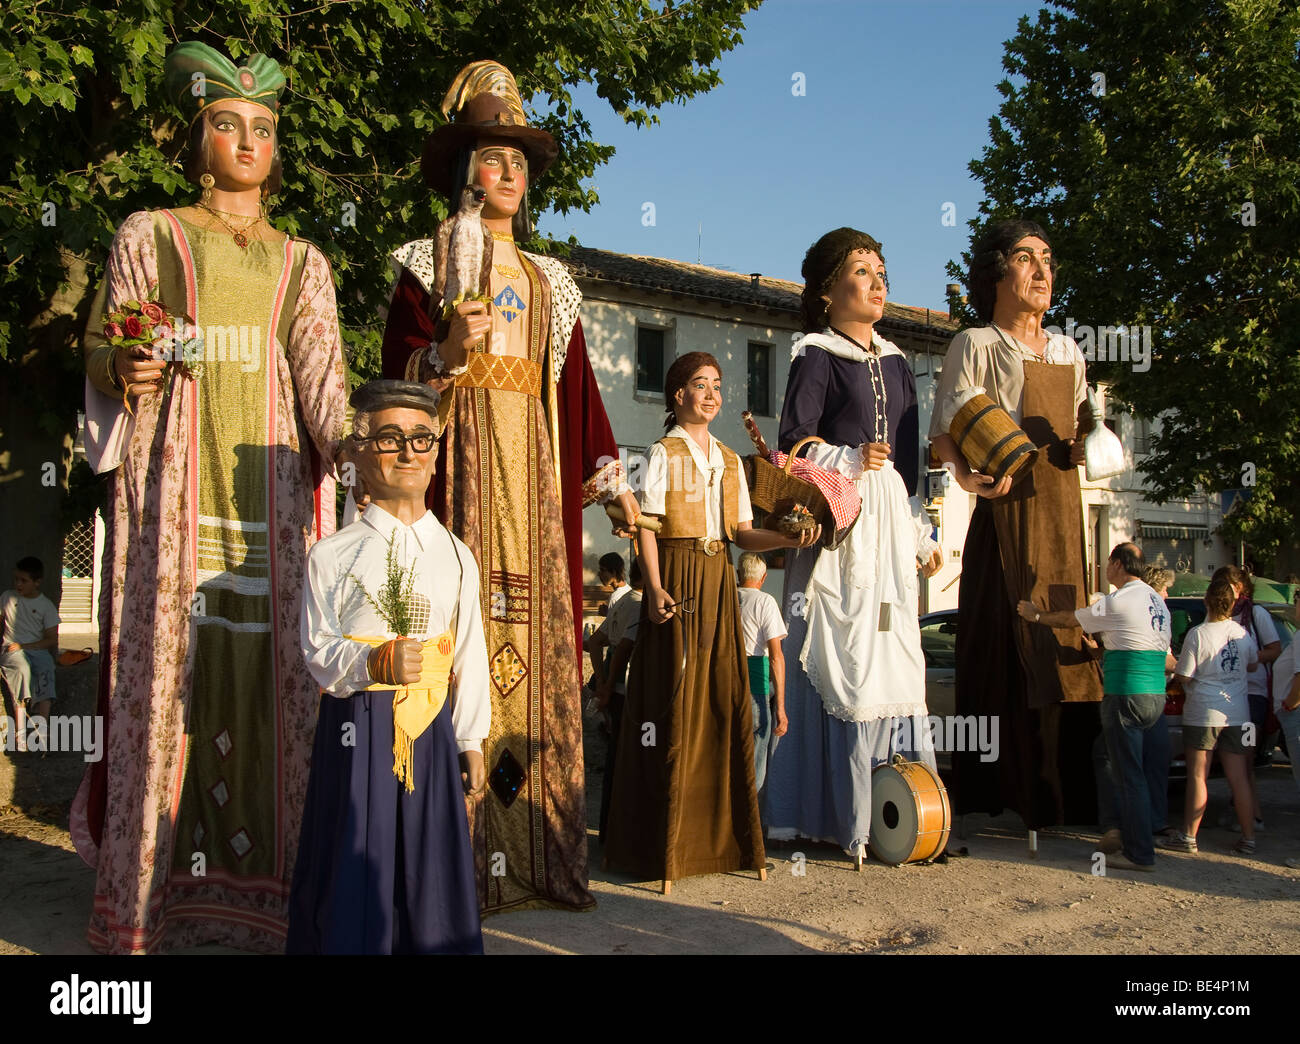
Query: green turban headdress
point(196, 76)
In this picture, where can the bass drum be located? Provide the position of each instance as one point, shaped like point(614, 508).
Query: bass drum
point(910, 814)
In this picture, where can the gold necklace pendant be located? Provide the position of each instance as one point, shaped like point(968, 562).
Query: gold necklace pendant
point(239, 235)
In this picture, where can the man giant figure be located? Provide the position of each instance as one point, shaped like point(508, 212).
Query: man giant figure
point(527, 444)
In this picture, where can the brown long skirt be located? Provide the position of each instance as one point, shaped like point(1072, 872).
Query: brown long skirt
point(1044, 768)
point(684, 801)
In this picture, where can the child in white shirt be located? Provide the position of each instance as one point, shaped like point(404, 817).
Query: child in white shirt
point(1212, 669)
point(30, 633)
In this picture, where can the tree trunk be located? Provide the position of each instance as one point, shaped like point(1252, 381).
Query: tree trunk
point(40, 395)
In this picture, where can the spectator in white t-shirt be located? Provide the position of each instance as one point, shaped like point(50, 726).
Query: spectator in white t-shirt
point(1259, 625)
point(1286, 690)
point(29, 636)
point(1286, 700)
point(1215, 660)
point(1156, 748)
point(762, 630)
point(1134, 623)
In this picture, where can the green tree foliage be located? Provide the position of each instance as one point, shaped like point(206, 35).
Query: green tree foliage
point(1159, 143)
point(89, 138)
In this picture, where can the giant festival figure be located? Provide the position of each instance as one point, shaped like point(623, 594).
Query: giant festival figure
point(1025, 542)
point(391, 623)
point(856, 690)
point(527, 445)
point(221, 464)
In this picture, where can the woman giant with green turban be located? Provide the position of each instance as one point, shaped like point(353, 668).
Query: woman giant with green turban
point(222, 454)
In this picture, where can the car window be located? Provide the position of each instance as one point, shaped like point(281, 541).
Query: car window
point(939, 643)
point(1284, 621)
point(1184, 614)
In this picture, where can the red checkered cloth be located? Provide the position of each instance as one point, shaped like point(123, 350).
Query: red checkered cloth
point(841, 494)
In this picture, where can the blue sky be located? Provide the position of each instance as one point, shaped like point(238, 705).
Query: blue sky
point(898, 99)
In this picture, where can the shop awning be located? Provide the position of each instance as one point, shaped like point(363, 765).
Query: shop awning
point(1163, 531)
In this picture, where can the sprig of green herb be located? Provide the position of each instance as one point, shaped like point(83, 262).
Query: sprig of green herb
point(393, 601)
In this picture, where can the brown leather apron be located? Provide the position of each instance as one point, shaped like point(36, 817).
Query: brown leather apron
point(1040, 540)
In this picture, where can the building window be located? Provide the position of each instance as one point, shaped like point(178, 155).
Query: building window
point(651, 350)
point(1141, 435)
point(760, 379)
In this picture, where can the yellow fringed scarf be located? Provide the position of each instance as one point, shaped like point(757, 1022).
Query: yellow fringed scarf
point(415, 706)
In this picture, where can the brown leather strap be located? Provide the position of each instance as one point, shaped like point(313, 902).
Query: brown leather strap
point(709, 547)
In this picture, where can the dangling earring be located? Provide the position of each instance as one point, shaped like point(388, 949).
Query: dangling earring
point(207, 181)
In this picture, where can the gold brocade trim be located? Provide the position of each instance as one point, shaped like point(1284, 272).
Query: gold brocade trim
point(508, 271)
point(502, 372)
point(502, 237)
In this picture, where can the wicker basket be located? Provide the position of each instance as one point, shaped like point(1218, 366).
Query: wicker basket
point(774, 490)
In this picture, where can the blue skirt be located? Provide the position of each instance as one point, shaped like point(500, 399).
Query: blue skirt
point(819, 772)
point(380, 870)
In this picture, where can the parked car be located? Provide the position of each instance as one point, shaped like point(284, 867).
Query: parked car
point(939, 647)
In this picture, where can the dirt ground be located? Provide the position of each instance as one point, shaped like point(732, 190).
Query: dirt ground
point(995, 899)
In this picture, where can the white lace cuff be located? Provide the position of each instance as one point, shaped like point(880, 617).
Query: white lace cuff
point(440, 368)
point(926, 545)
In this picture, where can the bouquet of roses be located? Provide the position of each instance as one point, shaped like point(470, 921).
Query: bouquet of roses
point(146, 324)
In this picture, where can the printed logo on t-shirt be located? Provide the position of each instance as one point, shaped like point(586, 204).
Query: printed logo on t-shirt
point(1229, 657)
point(1157, 610)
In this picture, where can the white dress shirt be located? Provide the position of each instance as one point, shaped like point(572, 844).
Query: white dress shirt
point(706, 475)
point(334, 605)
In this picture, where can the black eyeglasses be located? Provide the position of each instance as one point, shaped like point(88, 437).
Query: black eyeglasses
point(395, 442)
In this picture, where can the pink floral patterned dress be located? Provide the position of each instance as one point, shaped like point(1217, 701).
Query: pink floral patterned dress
point(220, 485)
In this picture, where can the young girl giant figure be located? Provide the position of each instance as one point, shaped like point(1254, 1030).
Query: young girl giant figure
point(684, 801)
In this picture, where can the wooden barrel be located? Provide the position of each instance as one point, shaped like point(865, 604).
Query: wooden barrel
point(990, 441)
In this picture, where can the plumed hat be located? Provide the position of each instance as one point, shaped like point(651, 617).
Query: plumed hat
point(486, 101)
point(197, 76)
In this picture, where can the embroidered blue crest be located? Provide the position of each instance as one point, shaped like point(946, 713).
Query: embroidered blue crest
point(1229, 657)
point(509, 304)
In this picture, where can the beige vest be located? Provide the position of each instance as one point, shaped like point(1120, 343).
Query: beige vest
point(684, 504)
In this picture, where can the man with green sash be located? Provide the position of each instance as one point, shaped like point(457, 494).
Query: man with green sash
point(1135, 622)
